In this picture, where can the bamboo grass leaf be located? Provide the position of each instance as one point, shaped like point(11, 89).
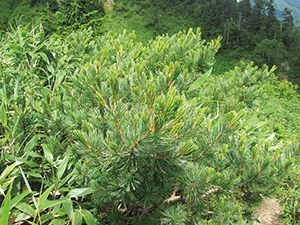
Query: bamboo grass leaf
point(200, 81)
point(58, 222)
point(18, 198)
point(59, 77)
point(44, 56)
point(88, 217)
point(26, 209)
point(31, 144)
point(80, 192)
point(77, 218)
point(15, 127)
point(51, 203)
point(45, 195)
point(3, 116)
point(63, 166)
point(69, 208)
point(17, 87)
point(6, 207)
point(8, 170)
point(3, 95)
point(47, 153)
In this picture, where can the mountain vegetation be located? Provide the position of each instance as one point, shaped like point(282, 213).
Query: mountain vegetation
point(280, 5)
point(250, 32)
point(170, 124)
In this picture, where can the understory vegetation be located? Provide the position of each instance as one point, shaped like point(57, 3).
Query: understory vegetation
point(120, 128)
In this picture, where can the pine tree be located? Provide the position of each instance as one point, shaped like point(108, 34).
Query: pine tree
point(273, 23)
point(245, 8)
point(258, 20)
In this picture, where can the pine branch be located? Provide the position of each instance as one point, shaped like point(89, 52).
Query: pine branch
point(120, 134)
point(80, 103)
point(298, 149)
point(137, 96)
point(160, 157)
point(218, 113)
point(211, 144)
point(175, 197)
point(49, 112)
point(183, 134)
point(246, 100)
point(95, 150)
point(139, 140)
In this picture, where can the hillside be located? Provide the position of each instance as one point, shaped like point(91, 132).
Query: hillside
point(294, 5)
point(280, 5)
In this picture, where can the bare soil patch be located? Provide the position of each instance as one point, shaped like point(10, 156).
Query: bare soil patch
point(269, 213)
point(109, 4)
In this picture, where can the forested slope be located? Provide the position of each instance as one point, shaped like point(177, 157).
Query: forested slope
point(250, 32)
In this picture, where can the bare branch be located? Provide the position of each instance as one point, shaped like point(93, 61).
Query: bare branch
point(210, 192)
point(173, 197)
point(218, 113)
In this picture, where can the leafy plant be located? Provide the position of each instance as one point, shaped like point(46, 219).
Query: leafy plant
point(29, 71)
point(44, 204)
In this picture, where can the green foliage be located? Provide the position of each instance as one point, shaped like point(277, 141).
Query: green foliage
point(29, 70)
point(283, 89)
point(33, 209)
point(283, 111)
point(60, 17)
point(272, 50)
point(74, 15)
point(146, 128)
point(143, 128)
point(289, 195)
point(176, 214)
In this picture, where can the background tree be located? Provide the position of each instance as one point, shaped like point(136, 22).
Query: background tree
point(272, 50)
point(273, 23)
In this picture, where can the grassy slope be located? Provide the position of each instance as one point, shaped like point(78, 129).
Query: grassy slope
point(145, 30)
point(132, 21)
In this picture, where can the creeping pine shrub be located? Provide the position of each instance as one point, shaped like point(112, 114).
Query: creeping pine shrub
point(146, 128)
point(163, 140)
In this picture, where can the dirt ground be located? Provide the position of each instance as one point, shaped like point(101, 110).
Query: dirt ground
point(109, 4)
point(269, 212)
